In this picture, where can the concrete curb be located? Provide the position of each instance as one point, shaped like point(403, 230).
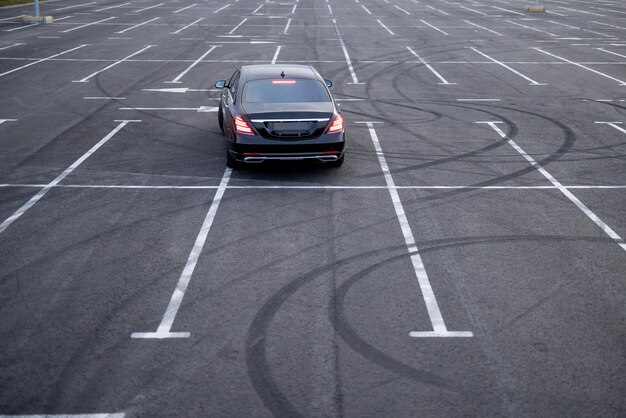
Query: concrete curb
point(37, 19)
point(535, 9)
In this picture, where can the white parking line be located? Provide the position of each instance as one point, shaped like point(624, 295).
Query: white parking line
point(614, 125)
point(222, 8)
point(330, 9)
point(7, 120)
point(366, 9)
point(165, 327)
point(104, 415)
point(103, 98)
point(611, 52)
point(621, 82)
point(401, 9)
point(507, 10)
point(257, 9)
point(483, 28)
point(86, 79)
point(293, 11)
point(11, 18)
point(238, 26)
point(201, 109)
point(87, 24)
point(112, 7)
point(355, 80)
point(581, 11)
point(607, 229)
point(530, 80)
point(309, 187)
point(475, 11)
point(386, 28)
point(606, 24)
point(185, 8)
point(11, 46)
point(16, 215)
point(148, 8)
point(531, 28)
point(437, 10)
point(187, 26)
point(439, 76)
point(287, 27)
point(138, 25)
point(434, 313)
point(176, 80)
point(43, 59)
point(76, 5)
point(21, 27)
point(276, 54)
point(434, 27)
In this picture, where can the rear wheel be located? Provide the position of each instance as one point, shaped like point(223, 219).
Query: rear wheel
point(336, 163)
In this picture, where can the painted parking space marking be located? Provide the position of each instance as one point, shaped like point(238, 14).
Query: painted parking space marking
point(148, 8)
point(203, 56)
point(503, 65)
point(237, 27)
point(605, 228)
point(164, 329)
point(621, 82)
point(185, 8)
point(483, 28)
point(86, 79)
point(43, 60)
point(434, 27)
point(11, 46)
point(138, 25)
point(74, 6)
point(7, 120)
point(355, 80)
point(439, 76)
point(33, 200)
point(432, 306)
point(112, 7)
point(385, 27)
point(614, 125)
point(88, 24)
point(187, 26)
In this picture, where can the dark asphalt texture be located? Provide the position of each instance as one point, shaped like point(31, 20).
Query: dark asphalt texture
point(304, 292)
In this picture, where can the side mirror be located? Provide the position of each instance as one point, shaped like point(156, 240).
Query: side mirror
point(328, 83)
point(220, 84)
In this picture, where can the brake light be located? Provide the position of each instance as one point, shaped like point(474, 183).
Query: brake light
point(242, 127)
point(336, 126)
point(283, 81)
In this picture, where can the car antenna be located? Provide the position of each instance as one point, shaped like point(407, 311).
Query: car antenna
point(282, 74)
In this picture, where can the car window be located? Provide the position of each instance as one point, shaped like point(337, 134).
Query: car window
point(233, 84)
point(285, 91)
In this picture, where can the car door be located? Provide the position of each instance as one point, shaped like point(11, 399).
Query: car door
point(229, 95)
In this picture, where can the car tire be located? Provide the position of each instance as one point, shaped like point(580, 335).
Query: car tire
point(231, 162)
point(220, 118)
point(336, 163)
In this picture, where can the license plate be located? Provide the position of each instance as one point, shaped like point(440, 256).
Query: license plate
point(290, 127)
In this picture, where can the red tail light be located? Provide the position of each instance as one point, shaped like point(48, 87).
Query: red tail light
point(242, 127)
point(336, 126)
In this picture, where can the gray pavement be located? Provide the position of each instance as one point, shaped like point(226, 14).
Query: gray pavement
point(468, 258)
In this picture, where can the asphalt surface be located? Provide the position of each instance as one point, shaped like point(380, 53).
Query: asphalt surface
point(466, 260)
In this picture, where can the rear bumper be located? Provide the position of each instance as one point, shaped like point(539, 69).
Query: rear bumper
point(254, 149)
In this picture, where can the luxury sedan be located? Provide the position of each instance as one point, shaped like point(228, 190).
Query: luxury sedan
point(280, 112)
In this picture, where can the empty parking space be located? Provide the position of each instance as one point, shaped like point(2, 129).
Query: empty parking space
point(466, 259)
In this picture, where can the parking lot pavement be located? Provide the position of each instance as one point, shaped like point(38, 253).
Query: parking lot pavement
point(466, 259)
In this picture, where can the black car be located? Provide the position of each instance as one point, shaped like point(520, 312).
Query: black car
point(280, 112)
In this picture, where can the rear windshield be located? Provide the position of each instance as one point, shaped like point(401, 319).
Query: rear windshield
point(285, 91)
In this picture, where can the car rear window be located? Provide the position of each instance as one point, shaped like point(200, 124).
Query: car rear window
point(285, 91)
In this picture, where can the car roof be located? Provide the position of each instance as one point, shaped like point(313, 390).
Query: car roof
point(256, 72)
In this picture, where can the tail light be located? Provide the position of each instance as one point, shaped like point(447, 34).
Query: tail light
point(336, 126)
point(242, 127)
